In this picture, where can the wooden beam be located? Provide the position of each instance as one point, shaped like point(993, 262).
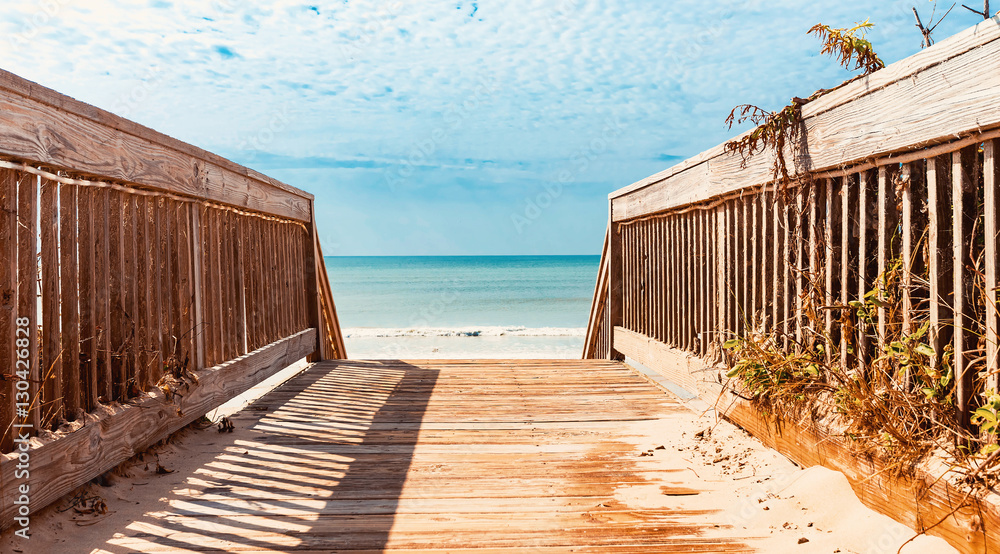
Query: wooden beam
point(992, 233)
point(615, 275)
point(27, 285)
point(597, 306)
point(8, 300)
point(910, 100)
point(61, 465)
point(39, 125)
point(51, 367)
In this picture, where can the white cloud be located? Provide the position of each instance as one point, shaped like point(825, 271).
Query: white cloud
point(525, 84)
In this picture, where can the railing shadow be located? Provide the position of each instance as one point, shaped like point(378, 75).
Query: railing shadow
point(322, 468)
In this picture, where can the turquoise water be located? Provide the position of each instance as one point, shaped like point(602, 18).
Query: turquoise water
point(448, 296)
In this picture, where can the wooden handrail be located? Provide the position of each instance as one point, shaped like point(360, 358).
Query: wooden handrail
point(597, 345)
point(167, 280)
point(898, 180)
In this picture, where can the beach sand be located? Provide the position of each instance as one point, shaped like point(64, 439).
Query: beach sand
point(775, 505)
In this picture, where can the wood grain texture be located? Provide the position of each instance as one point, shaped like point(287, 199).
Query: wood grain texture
point(438, 458)
point(62, 465)
point(102, 312)
point(51, 367)
point(8, 300)
point(932, 97)
point(991, 234)
point(70, 313)
point(42, 126)
point(27, 284)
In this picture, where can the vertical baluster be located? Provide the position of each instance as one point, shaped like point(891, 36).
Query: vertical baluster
point(185, 296)
point(8, 305)
point(88, 323)
point(130, 275)
point(156, 304)
point(51, 367)
point(845, 266)
point(862, 265)
point(196, 225)
point(991, 231)
point(102, 299)
point(939, 252)
point(777, 263)
point(830, 219)
point(963, 221)
point(116, 296)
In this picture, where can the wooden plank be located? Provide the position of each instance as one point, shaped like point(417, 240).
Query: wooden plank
point(52, 339)
point(311, 265)
point(143, 280)
point(116, 294)
point(225, 285)
point(614, 273)
point(102, 295)
point(964, 219)
point(846, 228)
point(157, 306)
point(88, 308)
point(671, 259)
point(597, 304)
point(213, 318)
point(813, 281)
point(171, 301)
point(906, 255)
point(62, 465)
point(240, 247)
point(198, 261)
point(130, 280)
point(991, 257)
point(186, 289)
point(27, 284)
point(44, 126)
point(69, 311)
point(914, 104)
point(830, 219)
point(8, 300)
point(952, 47)
point(863, 277)
point(939, 253)
point(882, 207)
point(722, 262)
point(777, 264)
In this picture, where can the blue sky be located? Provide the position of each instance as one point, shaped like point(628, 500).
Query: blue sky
point(445, 128)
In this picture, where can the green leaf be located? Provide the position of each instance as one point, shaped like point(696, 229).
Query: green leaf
point(731, 343)
point(924, 349)
point(733, 372)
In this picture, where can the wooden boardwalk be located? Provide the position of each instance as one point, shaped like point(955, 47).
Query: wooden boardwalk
point(425, 456)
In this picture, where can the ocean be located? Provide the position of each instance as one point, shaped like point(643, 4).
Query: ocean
point(463, 306)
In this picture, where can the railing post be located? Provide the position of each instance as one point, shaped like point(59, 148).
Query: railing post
point(312, 286)
point(614, 279)
point(197, 254)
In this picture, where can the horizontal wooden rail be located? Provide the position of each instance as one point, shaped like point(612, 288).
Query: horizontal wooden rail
point(139, 277)
point(912, 104)
point(896, 210)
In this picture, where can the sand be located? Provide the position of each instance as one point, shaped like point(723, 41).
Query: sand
point(775, 505)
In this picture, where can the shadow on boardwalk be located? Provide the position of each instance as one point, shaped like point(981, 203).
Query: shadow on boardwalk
point(323, 462)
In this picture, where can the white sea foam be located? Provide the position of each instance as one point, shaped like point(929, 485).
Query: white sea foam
point(469, 331)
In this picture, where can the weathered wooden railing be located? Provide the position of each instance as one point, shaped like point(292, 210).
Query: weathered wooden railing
point(903, 167)
point(144, 282)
